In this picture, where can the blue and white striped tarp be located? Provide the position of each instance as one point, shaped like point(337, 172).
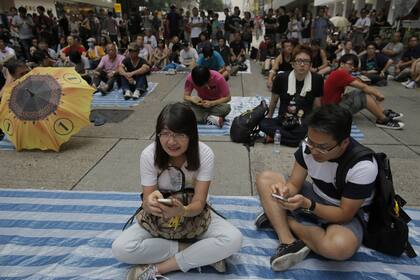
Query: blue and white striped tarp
point(68, 235)
point(247, 62)
point(241, 104)
point(116, 99)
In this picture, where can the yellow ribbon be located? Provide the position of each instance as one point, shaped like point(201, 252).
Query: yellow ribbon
point(174, 222)
point(396, 208)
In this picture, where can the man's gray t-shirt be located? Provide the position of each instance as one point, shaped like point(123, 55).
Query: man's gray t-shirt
point(397, 48)
point(24, 26)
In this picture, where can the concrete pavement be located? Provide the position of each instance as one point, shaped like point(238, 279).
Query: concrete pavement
point(106, 158)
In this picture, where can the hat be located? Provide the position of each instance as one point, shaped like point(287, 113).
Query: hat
point(133, 47)
point(91, 40)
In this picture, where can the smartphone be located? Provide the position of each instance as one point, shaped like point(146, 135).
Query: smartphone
point(279, 197)
point(166, 201)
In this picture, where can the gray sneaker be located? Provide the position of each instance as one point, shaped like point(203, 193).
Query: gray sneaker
point(142, 272)
point(287, 255)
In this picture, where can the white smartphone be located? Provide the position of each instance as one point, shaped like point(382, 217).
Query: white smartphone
point(166, 201)
point(279, 197)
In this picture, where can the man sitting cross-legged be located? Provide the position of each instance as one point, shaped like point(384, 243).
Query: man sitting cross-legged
point(133, 71)
point(316, 216)
point(211, 104)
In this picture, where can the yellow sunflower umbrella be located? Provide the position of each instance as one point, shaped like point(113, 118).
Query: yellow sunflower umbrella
point(44, 108)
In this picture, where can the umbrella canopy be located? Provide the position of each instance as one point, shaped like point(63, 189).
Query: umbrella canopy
point(44, 108)
point(340, 22)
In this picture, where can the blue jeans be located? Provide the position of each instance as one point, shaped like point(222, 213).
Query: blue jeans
point(141, 83)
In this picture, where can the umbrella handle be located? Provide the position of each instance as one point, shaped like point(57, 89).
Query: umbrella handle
point(30, 92)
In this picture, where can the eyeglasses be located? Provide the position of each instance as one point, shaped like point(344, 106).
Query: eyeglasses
point(165, 135)
point(319, 148)
point(302, 61)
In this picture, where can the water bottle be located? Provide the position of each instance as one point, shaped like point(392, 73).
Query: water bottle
point(277, 140)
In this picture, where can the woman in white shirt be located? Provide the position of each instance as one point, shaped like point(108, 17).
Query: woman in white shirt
point(176, 151)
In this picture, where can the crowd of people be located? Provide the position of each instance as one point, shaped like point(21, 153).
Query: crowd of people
point(318, 75)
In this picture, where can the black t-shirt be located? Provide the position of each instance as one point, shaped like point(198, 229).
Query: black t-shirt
point(174, 20)
point(270, 30)
point(237, 47)
point(411, 53)
point(129, 64)
point(280, 86)
point(225, 53)
point(286, 66)
point(236, 22)
point(376, 63)
point(228, 22)
point(283, 23)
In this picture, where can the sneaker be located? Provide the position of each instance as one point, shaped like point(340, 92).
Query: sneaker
point(411, 85)
point(390, 77)
point(219, 266)
point(141, 272)
point(1, 135)
point(215, 120)
point(406, 83)
point(390, 124)
point(136, 94)
point(235, 70)
point(392, 114)
point(262, 221)
point(287, 255)
point(128, 94)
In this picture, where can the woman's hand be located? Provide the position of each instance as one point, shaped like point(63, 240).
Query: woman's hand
point(177, 209)
point(151, 205)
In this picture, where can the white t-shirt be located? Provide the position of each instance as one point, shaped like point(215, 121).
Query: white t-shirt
point(363, 22)
point(167, 180)
point(150, 41)
point(187, 57)
point(144, 53)
point(195, 31)
point(6, 53)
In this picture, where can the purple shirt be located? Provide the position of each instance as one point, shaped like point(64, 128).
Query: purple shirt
point(109, 65)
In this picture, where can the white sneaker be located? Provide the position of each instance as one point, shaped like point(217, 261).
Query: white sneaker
point(136, 94)
point(215, 120)
point(411, 85)
point(128, 94)
point(390, 77)
point(406, 83)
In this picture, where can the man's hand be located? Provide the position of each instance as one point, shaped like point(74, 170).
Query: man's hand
point(281, 189)
point(207, 103)
point(151, 205)
point(379, 96)
point(197, 100)
point(269, 83)
point(295, 202)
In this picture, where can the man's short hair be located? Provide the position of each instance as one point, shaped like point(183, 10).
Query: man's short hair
point(350, 57)
point(200, 75)
point(38, 56)
point(333, 120)
point(301, 49)
point(207, 51)
point(22, 10)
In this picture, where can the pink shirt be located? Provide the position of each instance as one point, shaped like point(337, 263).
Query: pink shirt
point(216, 88)
point(109, 65)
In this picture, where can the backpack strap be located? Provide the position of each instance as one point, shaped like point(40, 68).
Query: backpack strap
point(348, 162)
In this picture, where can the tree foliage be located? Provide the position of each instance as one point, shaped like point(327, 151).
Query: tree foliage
point(214, 5)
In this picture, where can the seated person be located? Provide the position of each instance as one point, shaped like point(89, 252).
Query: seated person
point(174, 50)
point(145, 51)
point(176, 152)
point(41, 59)
point(160, 56)
point(107, 70)
point(282, 62)
point(320, 63)
point(94, 53)
point(6, 53)
point(188, 56)
point(204, 41)
point(411, 54)
point(211, 104)
point(237, 49)
point(223, 50)
point(317, 216)
point(150, 39)
point(345, 48)
point(72, 44)
point(414, 80)
point(394, 49)
point(362, 97)
point(213, 60)
point(374, 65)
point(299, 92)
point(133, 71)
point(267, 52)
point(80, 64)
point(43, 46)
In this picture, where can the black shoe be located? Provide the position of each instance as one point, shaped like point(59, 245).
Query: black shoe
point(390, 124)
point(392, 114)
point(262, 221)
point(1, 135)
point(287, 255)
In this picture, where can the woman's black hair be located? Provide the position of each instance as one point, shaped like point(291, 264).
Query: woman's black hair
point(178, 118)
point(75, 56)
point(333, 120)
point(200, 75)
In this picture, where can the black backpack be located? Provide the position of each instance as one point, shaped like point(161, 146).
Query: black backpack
point(244, 128)
point(386, 230)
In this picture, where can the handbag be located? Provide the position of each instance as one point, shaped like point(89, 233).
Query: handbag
point(176, 228)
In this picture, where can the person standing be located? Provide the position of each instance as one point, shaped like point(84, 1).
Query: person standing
point(25, 25)
point(197, 25)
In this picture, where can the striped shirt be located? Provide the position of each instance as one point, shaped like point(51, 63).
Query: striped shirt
point(359, 182)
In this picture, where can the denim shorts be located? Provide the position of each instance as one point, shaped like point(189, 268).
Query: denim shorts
point(355, 225)
point(354, 101)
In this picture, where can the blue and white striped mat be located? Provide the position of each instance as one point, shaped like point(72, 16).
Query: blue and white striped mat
point(241, 104)
point(68, 235)
point(6, 145)
point(116, 99)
